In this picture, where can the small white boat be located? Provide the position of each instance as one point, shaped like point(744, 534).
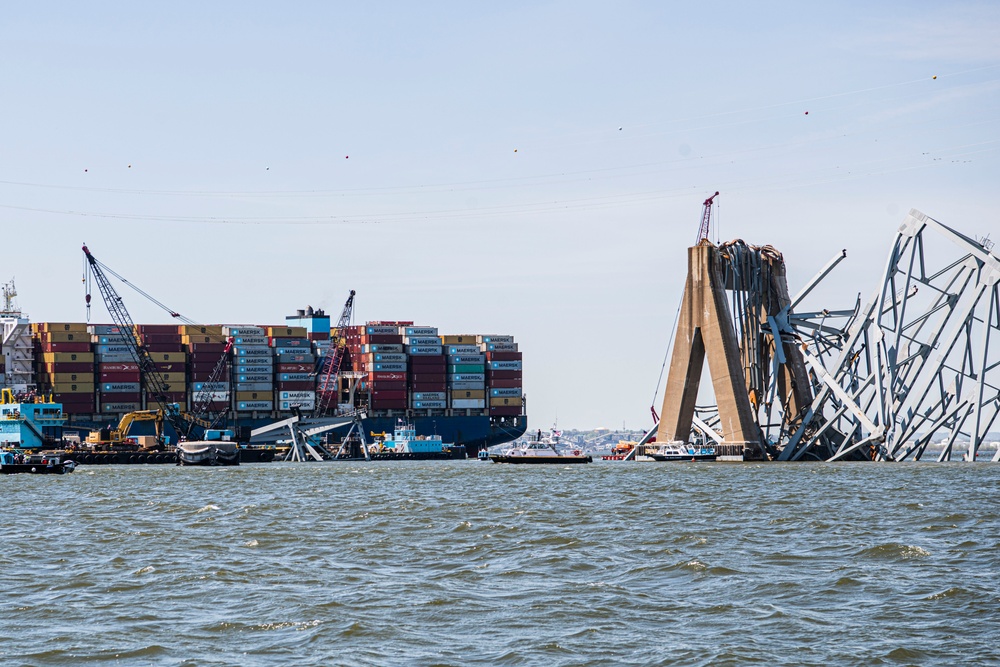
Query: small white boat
point(679, 451)
point(541, 450)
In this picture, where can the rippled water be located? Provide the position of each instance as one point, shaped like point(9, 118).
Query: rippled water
point(457, 563)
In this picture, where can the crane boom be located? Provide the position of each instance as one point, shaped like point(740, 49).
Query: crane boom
point(706, 216)
point(151, 378)
point(327, 387)
point(201, 401)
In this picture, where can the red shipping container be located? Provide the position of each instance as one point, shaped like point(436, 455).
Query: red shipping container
point(427, 377)
point(174, 397)
point(78, 409)
point(505, 411)
point(121, 377)
point(378, 395)
point(428, 360)
point(161, 338)
point(121, 397)
point(65, 347)
point(117, 367)
point(67, 367)
point(157, 328)
point(297, 386)
point(375, 377)
point(207, 349)
point(317, 335)
point(388, 385)
point(379, 339)
point(428, 386)
point(506, 384)
point(504, 375)
point(203, 364)
point(154, 348)
point(503, 356)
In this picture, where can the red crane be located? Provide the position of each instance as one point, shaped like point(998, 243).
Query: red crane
point(327, 387)
point(706, 215)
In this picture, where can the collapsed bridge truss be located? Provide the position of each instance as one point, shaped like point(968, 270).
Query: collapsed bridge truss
point(880, 381)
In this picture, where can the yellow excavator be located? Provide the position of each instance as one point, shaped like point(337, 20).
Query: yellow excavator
point(117, 438)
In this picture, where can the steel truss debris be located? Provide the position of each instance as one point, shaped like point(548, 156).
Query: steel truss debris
point(884, 379)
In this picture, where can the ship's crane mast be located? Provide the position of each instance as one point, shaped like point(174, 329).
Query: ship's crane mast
point(151, 378)
point(706, 216)
point(328, 385)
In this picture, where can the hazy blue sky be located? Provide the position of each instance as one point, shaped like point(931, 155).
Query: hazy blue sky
point(534, 168)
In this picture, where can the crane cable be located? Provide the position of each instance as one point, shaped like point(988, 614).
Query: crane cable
point(670, 347)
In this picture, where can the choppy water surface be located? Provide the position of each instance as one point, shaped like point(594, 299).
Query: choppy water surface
point(457, 563)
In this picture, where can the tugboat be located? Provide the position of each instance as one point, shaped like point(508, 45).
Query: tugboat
point(406, 444)
point(36, 464)
point(541, 450)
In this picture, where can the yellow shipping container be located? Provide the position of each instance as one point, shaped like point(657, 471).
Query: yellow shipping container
point(199, 330)
point(80, 327)
point(499, 402)
point(254, 396)
point(460, 339)
point(173, 379)
point(198, 338)
point(62, 357)
point(463, 394)
point(163, 357)
point(64, 336)
point(286, 332)
point(68, 378)
point(72, 388)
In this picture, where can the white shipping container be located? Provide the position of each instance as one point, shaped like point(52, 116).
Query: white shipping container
point(466, 358)
point(211, 396)
point(505, 365)
point(429, 405)
point(302, 405)
point(422, 340)
point(463, 349)
point(423, 350)
point(297, 395)
point(499, 347)
point(243, 330)
point(419, 331)
point(382, 347)
point(495, 339)
point(247, 406)
point(251, 341)
point(390, 356)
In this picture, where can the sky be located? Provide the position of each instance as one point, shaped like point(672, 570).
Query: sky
point(526, 168)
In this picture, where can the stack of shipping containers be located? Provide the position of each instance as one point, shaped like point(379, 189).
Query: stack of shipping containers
point(205, 346)
point(118, 380)
point(65, 365)
point(427, 368)
point(503, 375)
point(383, 359)
point(294, 370)
point(163, 344)
point(253, 367)
point(466, 374)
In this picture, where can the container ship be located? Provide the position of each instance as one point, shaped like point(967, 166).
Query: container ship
point(465, 388)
